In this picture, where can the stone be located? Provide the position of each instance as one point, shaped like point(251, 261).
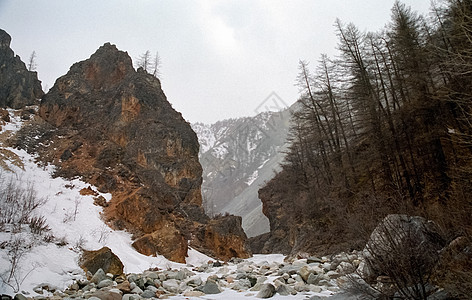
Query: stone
point(313, 259)
point(82, 281)
point(326, 266)
point(256, 287)
point(313, 279)
point(315, 288)
point(151, 288)
point(211, 287)
point(285, 290)
point(304, 272)
point(148, 294)
point(242, 285)
point(229, 279)
point(98, 276)
point(267, 290)
point(299, 262)
point(130, 297)
point(301, 287)
point(103, 259)
point(107, 295)
point(345, 268)
point(194, 281)
point(20, 297)
point(105, 283)
point(261, 279)
point(171, 285)
point(193, 294)
point(333, 274)
point(289, 269)
point(75, 286)
point(46, 287)
point(137, 290)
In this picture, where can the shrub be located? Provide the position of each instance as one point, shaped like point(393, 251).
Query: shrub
point(400, 258)
point(38, 225)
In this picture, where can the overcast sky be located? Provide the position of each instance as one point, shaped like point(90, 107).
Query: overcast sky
point(220, 59)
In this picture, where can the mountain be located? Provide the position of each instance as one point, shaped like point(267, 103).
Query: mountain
point(18, 86)
point(112, 126)
point(238, 156)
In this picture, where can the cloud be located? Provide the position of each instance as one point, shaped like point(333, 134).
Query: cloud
point(220, 58)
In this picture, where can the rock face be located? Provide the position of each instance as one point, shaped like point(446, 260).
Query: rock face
point(19, 87)
point(113, 126)
point(224, 236)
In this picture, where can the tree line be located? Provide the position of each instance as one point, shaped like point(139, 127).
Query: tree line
point(385, 127)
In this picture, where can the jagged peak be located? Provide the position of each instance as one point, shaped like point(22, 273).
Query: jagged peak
point(5, 39)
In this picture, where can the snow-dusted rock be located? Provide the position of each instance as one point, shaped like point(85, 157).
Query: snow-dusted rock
point(171, 285)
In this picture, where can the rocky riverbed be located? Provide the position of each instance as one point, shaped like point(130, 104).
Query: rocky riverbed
point(306, 278)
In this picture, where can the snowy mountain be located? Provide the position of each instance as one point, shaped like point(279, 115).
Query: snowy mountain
point(238, 156)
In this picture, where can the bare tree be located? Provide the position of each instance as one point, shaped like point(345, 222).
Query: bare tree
point(151, 65)
point(145, 61)
point(32, 62)
point(156, 72)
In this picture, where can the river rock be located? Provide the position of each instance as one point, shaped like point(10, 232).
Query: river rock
point(171, 285)
point(211, 287)
point(267, 291)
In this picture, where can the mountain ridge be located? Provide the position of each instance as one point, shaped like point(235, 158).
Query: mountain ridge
point(238, 155)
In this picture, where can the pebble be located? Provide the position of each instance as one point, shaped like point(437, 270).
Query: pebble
point(301, 276)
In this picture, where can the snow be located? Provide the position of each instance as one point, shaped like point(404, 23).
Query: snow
point(75, 219)
point(252, 178)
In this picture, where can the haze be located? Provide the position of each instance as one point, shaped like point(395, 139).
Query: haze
point(220, 59)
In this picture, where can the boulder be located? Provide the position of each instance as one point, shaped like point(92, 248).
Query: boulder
point(211, 287)
point(165, 239)
point(405, 242)
point(222, 237)
point(103, 259)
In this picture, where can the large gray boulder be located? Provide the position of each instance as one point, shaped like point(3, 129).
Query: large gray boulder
point(403, 250)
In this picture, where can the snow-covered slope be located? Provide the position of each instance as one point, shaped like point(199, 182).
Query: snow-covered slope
point(74, 223)
point(238, 156)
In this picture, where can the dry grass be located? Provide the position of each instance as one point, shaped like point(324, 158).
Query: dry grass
point(7, 156)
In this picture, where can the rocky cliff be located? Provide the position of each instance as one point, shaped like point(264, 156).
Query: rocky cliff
point(113, 127)
point(238, 156)
point(18, 86)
